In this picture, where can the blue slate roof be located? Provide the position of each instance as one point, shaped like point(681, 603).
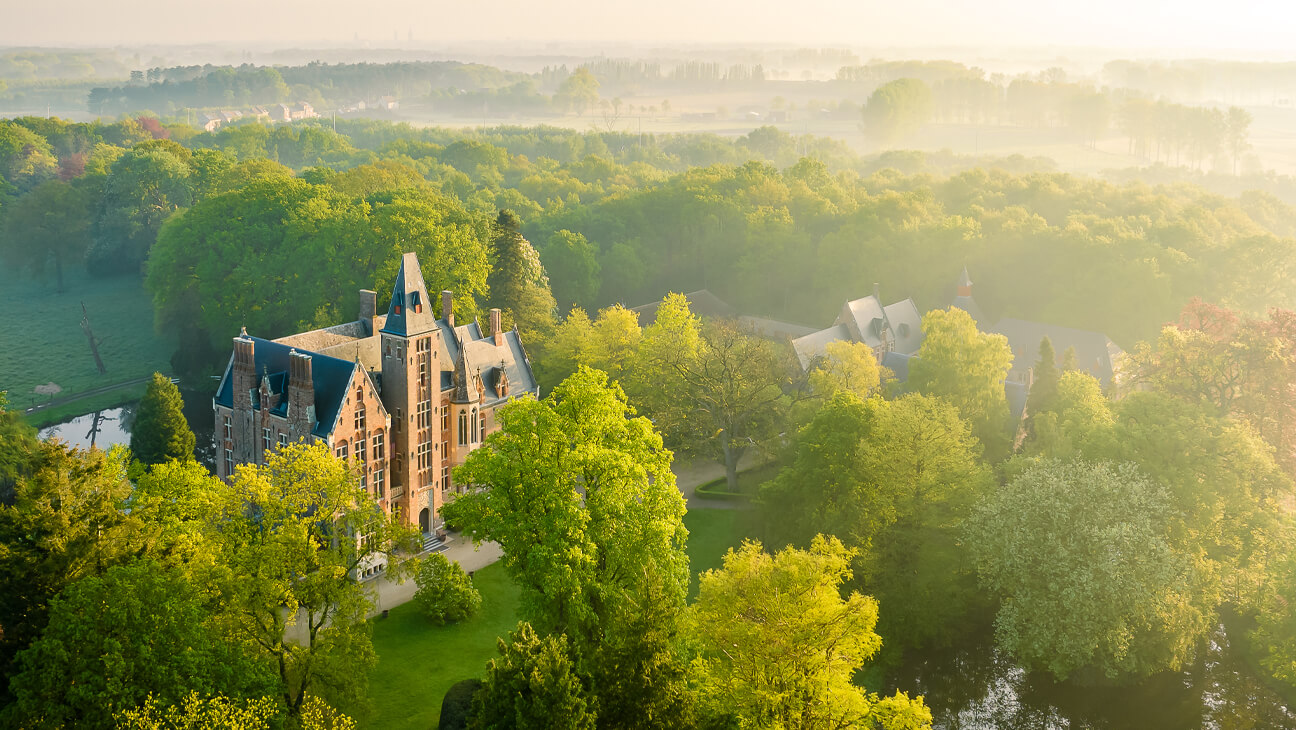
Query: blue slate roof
point(330, 376)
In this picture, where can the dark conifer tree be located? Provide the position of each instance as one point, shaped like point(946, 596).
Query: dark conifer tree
point(161, 432)
point(517, 281)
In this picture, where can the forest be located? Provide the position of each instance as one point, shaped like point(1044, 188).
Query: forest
point(1100, 540)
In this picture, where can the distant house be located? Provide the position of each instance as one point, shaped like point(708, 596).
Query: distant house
point(388, 103)
point(280, 113)
point(229, 116)
point(1095, 353)
point(209, 122)
point(894, 328)
point(260, 112)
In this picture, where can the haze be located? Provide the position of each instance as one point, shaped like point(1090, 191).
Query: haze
point(1248, 28)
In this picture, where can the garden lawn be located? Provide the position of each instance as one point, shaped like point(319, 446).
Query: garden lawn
point(711, 533)
point(41, 339)
point(418, 662)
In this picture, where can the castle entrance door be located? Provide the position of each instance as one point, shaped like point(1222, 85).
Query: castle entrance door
point(423, 519)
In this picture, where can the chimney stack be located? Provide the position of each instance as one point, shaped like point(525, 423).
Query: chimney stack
point(244, 371)
point(368, 309)
point(301, 394)
point(447, 306)
point(496, 332)
point(877, 292)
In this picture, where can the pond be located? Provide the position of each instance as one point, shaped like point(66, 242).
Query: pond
point(111, 426)
point(976, 687)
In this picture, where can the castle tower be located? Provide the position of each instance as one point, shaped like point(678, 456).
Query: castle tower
point(244, 383)
point(411, 391)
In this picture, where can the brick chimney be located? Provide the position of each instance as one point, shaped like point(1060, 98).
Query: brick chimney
point(447, 307)
point(301, 394)
point(244, 371)
point(368, 309)
point(496, 332)
point(877, 292)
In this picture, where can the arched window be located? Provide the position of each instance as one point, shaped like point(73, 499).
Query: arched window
point(463, 428)
point(475, 427)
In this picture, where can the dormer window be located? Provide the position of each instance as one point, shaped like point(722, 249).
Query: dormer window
point(415, 302)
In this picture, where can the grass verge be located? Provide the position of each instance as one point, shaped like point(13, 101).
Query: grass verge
point(418, 661)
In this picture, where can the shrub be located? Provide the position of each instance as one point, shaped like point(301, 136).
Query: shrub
point(445, 594)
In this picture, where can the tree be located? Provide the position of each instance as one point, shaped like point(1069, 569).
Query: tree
point(68, 520)
point(532, 685)
point(144, 187)
point(715, 386)
point(966, 367)
point(161, 433)
point(579, 494)
point(138, 632)
point(223, 713)
point(897, 109)
point(572, 262)
point(781, 646)
point(1044, 383)
point(579, 91)
point(517, 281)
point(289, 538)
point(847, 367)
point(894, 480)
point(1234, 365)
point(1079, 554)
point(1237, 129)
point(445, 593)
point(49, 225)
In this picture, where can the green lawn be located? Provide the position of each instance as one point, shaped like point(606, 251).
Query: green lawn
point(711, 533)
point(417, 661)
point(41, 339)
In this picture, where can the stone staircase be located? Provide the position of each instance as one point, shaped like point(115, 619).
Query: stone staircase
point(432, 543)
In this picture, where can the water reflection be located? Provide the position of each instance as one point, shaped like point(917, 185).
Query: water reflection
point(975, 687)
point(103, 429)
point(111, 426)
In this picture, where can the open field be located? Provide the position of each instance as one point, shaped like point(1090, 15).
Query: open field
point(418, 662)
point(41, 339)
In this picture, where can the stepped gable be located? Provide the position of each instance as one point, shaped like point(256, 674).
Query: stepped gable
point(330, 377)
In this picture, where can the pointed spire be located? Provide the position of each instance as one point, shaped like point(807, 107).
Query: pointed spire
point(410, 312)
point(964, 284)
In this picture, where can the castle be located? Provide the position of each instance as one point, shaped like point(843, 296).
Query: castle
point(405, 396)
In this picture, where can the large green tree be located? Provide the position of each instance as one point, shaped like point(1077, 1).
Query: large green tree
point(897, 109)
point(288, 540)
point(894, 480)
point(48, 227)
point(572, 263)
point(967, 367)
point(715, 386)
point(579, 494)
point(138, 632)
point(68, 520)
point(781, 646)
point(1090, 579)
point(143, 188)
point(160, 432)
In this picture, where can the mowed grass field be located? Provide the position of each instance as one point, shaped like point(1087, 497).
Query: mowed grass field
point(418, 662)
point(41, 340)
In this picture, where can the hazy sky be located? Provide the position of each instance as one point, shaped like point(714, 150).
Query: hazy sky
point(1238, 25)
